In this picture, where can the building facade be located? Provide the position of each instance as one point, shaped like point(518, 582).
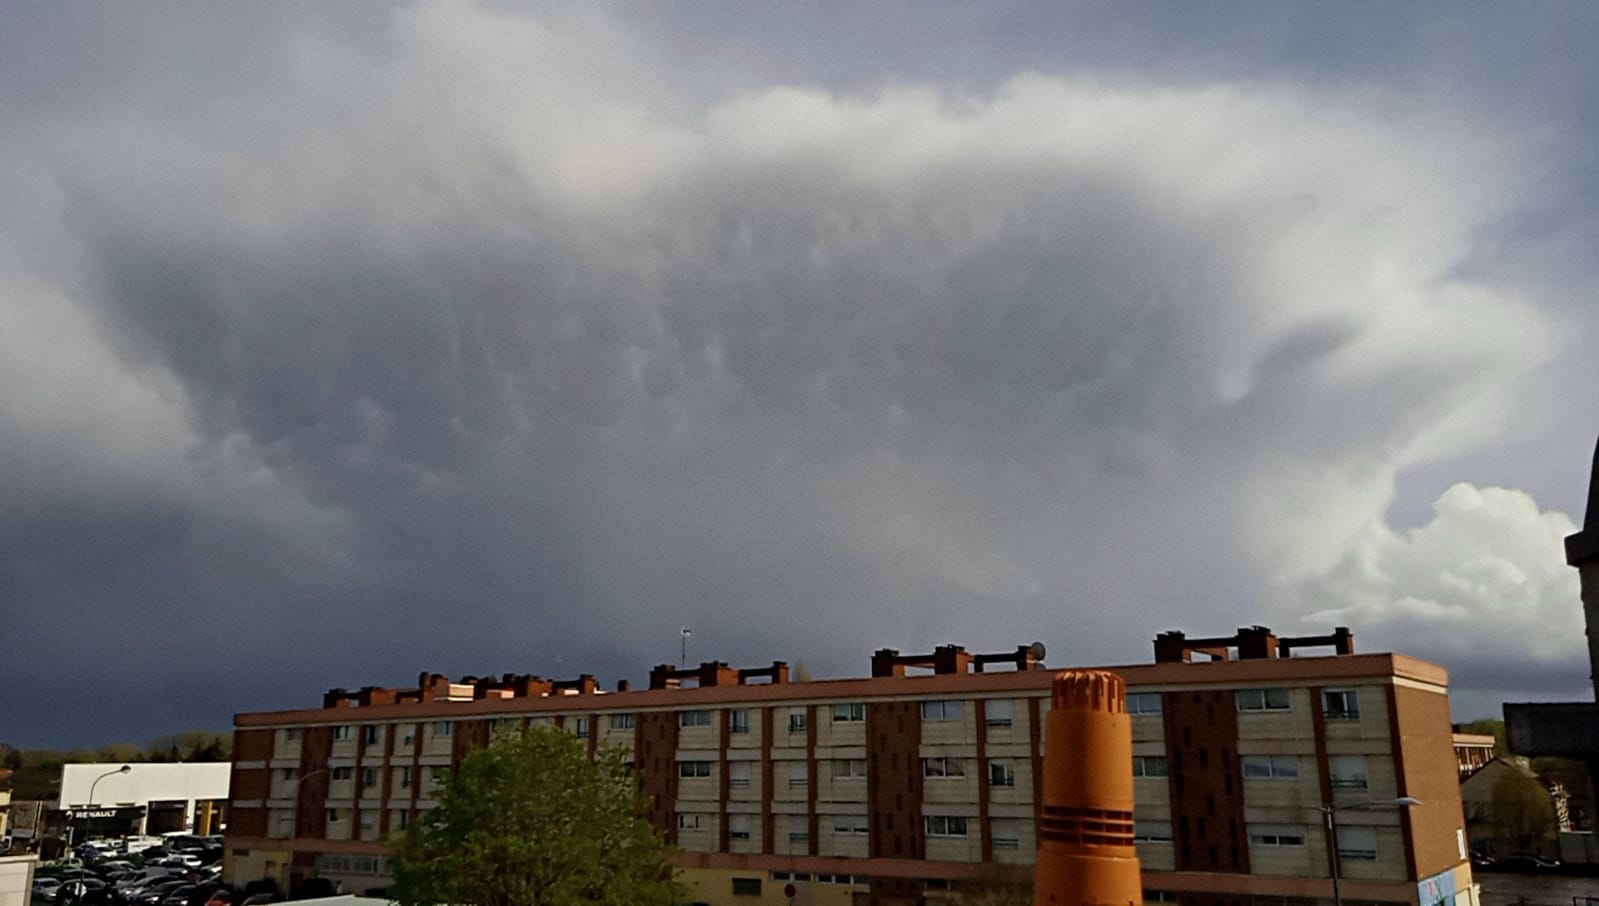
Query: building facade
point(894, 787)
point(98, 799)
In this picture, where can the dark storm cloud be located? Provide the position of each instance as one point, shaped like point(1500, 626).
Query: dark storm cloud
point(438, 348)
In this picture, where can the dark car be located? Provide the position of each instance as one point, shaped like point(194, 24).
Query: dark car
point(1528, 864)
point(177, 896)
point(77, 889)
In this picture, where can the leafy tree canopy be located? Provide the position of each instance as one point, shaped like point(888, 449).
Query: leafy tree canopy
point(1489, 726)
point(531, 820)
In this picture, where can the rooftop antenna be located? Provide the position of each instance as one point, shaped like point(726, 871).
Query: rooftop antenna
point(683, 662)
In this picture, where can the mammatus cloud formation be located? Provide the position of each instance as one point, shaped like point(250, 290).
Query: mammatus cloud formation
point(476, 346)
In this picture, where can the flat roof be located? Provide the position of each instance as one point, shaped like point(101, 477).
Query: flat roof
point(1298, 670)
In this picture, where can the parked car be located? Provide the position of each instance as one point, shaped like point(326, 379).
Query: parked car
point(75, 890)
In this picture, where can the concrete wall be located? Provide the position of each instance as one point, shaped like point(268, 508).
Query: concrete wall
point(16, 880)
point(145, 783)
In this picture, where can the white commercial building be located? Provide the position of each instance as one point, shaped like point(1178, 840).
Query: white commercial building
point(145, 798)
point(16, 879)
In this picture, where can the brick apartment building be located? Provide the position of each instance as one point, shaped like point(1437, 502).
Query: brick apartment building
point(888, 789)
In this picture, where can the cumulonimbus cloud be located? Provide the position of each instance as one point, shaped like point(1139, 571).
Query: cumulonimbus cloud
point(824, 371)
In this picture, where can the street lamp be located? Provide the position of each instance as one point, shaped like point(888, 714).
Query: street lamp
point(83, 865)
point(1330, 812)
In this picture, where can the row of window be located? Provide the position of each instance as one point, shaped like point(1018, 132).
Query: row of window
point(1336, 704)
point(1353, 842)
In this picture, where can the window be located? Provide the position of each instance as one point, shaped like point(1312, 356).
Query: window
point(944, 826)
point(1000, 773)
point(693, 718)
point(401, 819)
point(410, 735)
point(1271, 767)
point(738, 720)
point(1152, 831)
point(283, 827)
point(1276, 836)
point(997, 712)
point(343, 731)
point(738, 827)
point(334, 817)
point(1149, 766)
point(796, 720)
point(1357, 843)
point(849, 769)
point(849, 713)
point(943, 767)
point(435, 776)
point(442, 728)
point(291, 774)
point(405, 778)
point(1340, 704)
point(1347, 772)
point(949, 709)
point(1143, 703)
point(799, 834)
point(746, 887)
point(849, 825)
point(580, 726)
point(798, 779)
point(1275, 699)
point(621, 721)
point(790, 876)
point(693, 769)
point(738, 773)
point(369, 820)
point(688, 821)
point(344, 773)
point(292, 734)
point(371, 733)
point(1005, 833)
point(369, 777)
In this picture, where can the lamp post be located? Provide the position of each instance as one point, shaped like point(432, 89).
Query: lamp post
point(1330, 813)
point(83, 866)
point(294, 818)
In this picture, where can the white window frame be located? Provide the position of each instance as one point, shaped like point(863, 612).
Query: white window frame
point(738, 773)
point(693, 769)
point(1267, 698)
point(697, 717)
point(1347, 772)
point(850, 825)
point(1001, 773)
point(1144, 703)
point(1277, 836)
point(849, 769)
point(944, 767)
point(1150, 766)
point(944, 825)
point(1152, 832)
point(1005, 833)
point(798, 721)
point(1340, 704)
point(1271, 767)
point(621, 721)
point(1352, 842)
point(848, 712)
point(943, 710)
point(738, 720)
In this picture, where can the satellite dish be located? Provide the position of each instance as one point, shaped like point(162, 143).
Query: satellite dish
point(1037, 649)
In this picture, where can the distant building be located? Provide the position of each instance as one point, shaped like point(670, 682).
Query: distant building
point(888, 789)
point(151, 798)
point(1511, 811)
point(1472, 751)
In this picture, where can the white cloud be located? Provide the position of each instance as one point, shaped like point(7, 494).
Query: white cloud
point(1485, 582)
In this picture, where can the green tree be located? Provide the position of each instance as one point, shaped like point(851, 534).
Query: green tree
point(1489, 726)
point(531, 820)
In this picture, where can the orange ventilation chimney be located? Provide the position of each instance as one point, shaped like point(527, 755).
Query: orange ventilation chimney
point(1086, 855)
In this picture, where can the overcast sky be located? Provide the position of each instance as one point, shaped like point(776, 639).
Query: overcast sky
point(346, 341)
